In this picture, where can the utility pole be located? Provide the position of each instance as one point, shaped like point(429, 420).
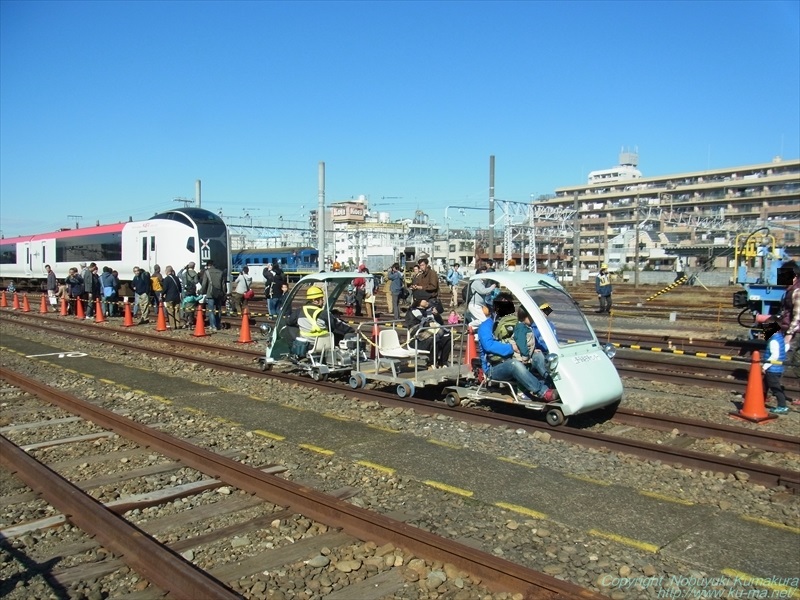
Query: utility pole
point(576, 243)
point(321, 215)
point(636, 248)
point(491, 208)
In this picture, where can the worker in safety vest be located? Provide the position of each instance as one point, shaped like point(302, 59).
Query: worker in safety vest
point(315, 322)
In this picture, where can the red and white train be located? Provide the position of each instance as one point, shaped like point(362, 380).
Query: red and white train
point(175, 237)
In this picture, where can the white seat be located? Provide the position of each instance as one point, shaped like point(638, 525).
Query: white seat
point(389, 345)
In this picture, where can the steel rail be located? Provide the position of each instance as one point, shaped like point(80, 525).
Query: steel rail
point(764, 474)
point(361, 523)
point(149, 558)
point(774, 442)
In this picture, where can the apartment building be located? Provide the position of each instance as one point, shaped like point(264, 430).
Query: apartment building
point(625, 219)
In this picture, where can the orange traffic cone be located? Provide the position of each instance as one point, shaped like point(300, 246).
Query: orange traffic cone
point(25, 306)
point(753, 408)
point(64, 307)
point(161, 321)
point(16, 301)
point(3, 301)
point(471, 352)
point(128, 320)
point(79, 309)
point(199, 323)
point(98, 312)
point(43, 305)
point(244, 333)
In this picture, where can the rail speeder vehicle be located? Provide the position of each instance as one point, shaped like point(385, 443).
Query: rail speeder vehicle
point(383, 353)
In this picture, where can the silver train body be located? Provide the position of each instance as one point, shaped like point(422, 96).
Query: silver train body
point(174, 237)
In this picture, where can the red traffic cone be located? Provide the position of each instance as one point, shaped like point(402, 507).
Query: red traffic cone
point(244, 333)
point(64, 307)
point(128, 320)
point(98, 312)
point(79, 309)
point(199, 323)
point(753, 408)
point(25, 306)
point(16, 301)
point(43, 305)
point(3, 301)
point(161, 321)
point(471, 352)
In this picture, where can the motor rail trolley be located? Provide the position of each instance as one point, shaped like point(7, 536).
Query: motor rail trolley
point(578, 365)
point(378, 351)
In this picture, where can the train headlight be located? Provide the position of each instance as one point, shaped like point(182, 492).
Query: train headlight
point(552, 362)
point(610, 350)
point(266, 329)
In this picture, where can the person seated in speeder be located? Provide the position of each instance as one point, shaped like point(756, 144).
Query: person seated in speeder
point(530, 342)
point(498, 357)
point(425, 324)
point(312, 320)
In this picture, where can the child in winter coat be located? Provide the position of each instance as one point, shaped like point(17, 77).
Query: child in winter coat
point(776, 352)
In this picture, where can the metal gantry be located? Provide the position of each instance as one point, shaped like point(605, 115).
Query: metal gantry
point(519, 220)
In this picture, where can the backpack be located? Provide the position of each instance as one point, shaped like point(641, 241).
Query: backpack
point(504, 328)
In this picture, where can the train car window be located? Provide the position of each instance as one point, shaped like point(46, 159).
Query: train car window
point(8, 254)
point(200, 216)
point(144, 248)
point(175, 216)
point(153, 244)
point(94, 247)
point(190, 244)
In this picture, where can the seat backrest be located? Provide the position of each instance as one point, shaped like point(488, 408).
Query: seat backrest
point(388, 340)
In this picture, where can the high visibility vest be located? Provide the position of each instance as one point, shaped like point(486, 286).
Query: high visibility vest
point(309, 327)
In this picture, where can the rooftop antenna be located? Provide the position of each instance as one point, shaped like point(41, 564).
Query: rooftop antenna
point(76, 217)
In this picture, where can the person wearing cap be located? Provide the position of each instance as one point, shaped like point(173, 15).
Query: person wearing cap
point(774, 360)
point(498, 360)
point(530, 342)
point(602, 285)
point(315, 323)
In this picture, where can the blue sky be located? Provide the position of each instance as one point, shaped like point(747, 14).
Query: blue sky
point(113, 109)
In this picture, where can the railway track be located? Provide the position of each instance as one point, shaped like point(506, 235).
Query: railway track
point(765, 474)
point(276, 500)
point(673, 360)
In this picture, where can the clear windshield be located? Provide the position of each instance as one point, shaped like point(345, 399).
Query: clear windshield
point(570, 323)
